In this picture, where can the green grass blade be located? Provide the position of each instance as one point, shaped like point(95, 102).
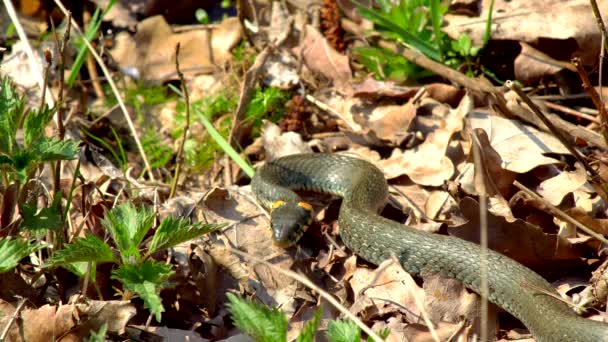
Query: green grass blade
point(407, 37)
point(224, 145)
point(436, 19)
point(488, 31)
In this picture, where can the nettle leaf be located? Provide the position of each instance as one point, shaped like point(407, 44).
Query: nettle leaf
point(11, 110)
point(52, 149)
point(44, 219)
point(128, 227)
point(172, 232)
point(308, 332)
point(258, 321)
point(80, 269)
point(343, 331)
point(34, 124)
point(87, 249)
point(13, 250)
point(146, 280)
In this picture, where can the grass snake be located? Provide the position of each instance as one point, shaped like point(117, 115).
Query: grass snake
point(363, 188)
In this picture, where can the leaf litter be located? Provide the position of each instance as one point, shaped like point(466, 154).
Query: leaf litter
point(421, 134)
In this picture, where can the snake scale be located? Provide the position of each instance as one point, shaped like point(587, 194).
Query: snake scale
point(363, 188)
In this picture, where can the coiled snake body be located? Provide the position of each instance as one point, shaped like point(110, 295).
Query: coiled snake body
point(512, 286)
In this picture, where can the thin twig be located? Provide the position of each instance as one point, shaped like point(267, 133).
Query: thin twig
point(480, 185)
point(568, 110)
point(31, 58)
point(600, 21)
point(562, 215)
point(114, 88)
point(302, 279)
point(18, 309)
point(247, 90)
point(180, 151)
point(594, 97)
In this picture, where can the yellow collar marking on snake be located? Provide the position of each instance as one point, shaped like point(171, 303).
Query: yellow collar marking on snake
point(277, 204)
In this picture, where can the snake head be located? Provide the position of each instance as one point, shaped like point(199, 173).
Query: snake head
point(289, 221)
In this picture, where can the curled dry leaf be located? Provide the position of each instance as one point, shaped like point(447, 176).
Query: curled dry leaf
point(569, 24)
point(71, 322)
point(320, 57)
point(150, 54)
point(518, 240)
point(531, 64)
point(427, 164)
point(387, 289)
point(277, 144)
point(521, 147)
point(556, 188)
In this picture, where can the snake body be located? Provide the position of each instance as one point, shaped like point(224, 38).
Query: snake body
point(363, 188)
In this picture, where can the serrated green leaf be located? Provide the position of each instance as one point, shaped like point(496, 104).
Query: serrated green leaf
point(308, 332)
point(13, 250)
point(52, 149)
point(87, 249)
point(80, 269)
point(172, 232)
point(146, 280)
point(11, 110)
point(258, 321)
point(405, 36)
point(5, 160)
point(343, 331)
point(34, 124)
point(43, 219)
point(383, 334)
point(128, 227)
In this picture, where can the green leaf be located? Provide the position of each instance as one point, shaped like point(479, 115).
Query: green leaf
point(382, 333)
point(258, 321)
point(392, 26)
point(100, 335)
point(173, 231)
point(13, 250)
point(52, 149)
point(146, 280)
point(80, 269)
point(45, 219)
point(343, 331)
point(308, 332)
point(128, 227)
point(11, 110)
point(34, 124)
point(87, 249)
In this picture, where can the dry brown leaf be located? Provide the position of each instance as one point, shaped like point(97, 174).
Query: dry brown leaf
point(427, 164)
point(531, 64)
point(376, 291)
point(556, 188)
point(150, 54)
point(447, 300)
point(71, 322)
point(537, 22)
point(277, 144)
point(518, 240)
point(520, 147)
point(392, 123)
point(324, 60)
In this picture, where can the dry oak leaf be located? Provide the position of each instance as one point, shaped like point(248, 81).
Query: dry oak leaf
point(556, 188)
point(521, 147)
point(427, 164)
point(70, 322)
point(518, 240)
point(323, 59)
